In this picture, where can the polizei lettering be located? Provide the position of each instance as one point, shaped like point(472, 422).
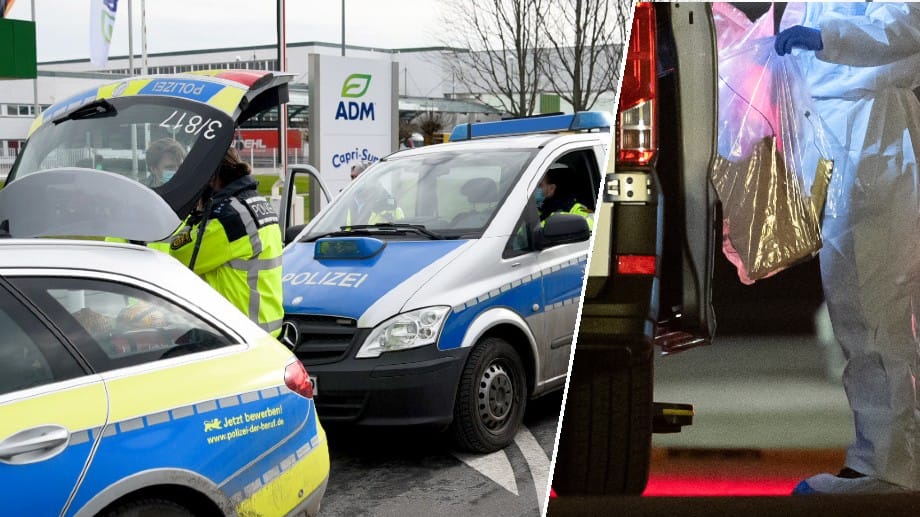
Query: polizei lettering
point(355, 110)
point(330, 278)
point(178, 87)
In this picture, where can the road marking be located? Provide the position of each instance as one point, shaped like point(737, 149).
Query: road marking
point(494, 466)
point(537, 461)
point(497, 467)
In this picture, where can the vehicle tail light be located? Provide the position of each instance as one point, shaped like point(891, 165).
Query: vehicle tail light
point(296, 378)
point(636, 264)
point(637, 137)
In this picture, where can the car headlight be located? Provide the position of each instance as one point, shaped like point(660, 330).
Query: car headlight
point(408, 330)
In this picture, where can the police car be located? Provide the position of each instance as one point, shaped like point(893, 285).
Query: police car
point(127, 385)
point(430, 292)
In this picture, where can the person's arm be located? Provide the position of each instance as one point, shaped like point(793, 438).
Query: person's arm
point(887, 33)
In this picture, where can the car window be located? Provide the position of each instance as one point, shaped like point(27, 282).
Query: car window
point(521, 240)
point(115, 325)
point(30, 355)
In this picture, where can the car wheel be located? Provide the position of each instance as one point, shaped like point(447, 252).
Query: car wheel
point(606, 440)
point(491, 397)
point(149, 508)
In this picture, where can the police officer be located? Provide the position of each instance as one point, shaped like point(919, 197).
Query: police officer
point(234, 243)
point(555, 195)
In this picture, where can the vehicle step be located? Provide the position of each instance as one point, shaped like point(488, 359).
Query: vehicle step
point(668, 417)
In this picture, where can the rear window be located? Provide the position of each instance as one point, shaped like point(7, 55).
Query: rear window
point(150, 140)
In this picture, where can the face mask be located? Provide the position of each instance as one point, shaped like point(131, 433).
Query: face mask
point(168, 174)
point(539, 196)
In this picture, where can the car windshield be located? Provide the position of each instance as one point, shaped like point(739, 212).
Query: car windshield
point(446, 194)
point(151, 140)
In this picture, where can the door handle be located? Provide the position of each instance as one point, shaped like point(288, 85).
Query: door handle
point(515, 264)
point(34, 445)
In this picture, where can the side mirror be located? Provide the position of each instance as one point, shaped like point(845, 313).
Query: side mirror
point(291, 232)
point(562, 229)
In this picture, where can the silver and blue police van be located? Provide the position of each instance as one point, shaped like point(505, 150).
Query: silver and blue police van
point(429, 292)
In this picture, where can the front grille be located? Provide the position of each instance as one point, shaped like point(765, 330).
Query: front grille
point(322, 339)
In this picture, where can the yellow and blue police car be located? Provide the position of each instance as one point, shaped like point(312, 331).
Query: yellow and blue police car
point(127, 385)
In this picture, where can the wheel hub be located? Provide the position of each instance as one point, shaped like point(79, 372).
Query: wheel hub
point(496, 396)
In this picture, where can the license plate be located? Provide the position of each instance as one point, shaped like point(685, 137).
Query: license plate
point(313, 382)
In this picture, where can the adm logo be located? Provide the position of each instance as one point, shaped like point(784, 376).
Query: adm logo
point(354, 87)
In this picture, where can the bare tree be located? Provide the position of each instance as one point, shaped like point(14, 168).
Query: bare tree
point(505, 49)
point(586, 39)
point(430, 123)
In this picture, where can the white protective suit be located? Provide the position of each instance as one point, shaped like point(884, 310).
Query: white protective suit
point(863, 83)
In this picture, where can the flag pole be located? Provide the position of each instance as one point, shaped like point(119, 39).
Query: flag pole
point(130, 40)
point(143, 38)
point(34, 81)
point(282, 108)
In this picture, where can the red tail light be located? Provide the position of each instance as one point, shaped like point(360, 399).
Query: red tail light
point(636, 265)
point(637, 138)
point(296, 378)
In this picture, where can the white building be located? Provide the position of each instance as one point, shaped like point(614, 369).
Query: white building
point(424, 84)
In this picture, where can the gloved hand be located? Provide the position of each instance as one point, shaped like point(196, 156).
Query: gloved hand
point(798, 36)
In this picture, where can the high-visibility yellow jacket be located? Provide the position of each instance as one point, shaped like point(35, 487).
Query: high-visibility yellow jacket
point(156, 245)
point(576, 209)
point(240, 252)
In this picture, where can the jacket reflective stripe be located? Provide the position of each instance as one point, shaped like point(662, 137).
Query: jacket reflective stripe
point(253, 266)
point(241, 260)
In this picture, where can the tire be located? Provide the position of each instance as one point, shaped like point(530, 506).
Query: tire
point(490, 398)
point(606, 440)
point(149, 508)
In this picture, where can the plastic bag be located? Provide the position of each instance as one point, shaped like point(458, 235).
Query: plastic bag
point(774, 164)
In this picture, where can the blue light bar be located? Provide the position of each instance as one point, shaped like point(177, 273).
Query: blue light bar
point(581, 121)
point(354, 248)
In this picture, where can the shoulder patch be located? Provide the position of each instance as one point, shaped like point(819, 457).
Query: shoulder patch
point(181, 240)
point(262, 211)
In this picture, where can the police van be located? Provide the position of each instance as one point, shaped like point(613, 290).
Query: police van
point(429, 292)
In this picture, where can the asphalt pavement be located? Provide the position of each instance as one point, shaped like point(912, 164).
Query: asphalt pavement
point(408, 472)
point(769, 411)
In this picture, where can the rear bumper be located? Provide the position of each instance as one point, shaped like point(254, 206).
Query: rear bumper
point(311, 505)
point(296, 491)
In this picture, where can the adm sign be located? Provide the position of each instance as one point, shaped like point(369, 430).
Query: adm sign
point(353, 114)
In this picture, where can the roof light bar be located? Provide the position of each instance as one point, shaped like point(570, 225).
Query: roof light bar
point(581, 121)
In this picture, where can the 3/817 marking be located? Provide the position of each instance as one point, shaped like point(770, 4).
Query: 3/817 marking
point(193, 126)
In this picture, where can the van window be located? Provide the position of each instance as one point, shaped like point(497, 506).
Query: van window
point(449, 193)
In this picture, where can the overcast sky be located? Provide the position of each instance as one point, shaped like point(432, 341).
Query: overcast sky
point(63, 25)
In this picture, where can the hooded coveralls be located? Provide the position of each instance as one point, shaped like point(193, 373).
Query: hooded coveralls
point(240, 252)
point(862, 82)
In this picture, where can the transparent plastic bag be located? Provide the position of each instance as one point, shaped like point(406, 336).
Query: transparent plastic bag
point(775, 162)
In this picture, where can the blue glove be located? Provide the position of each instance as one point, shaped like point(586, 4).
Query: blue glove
point(798, 36)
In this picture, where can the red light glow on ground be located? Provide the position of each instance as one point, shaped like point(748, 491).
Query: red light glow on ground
point(677, 486)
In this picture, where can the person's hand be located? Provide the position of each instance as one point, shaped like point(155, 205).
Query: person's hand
point(798, 36)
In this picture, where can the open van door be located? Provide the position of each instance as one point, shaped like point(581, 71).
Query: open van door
point(651, 265)
point(293, 213)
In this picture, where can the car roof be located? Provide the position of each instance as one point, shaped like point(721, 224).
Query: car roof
point(88, 255)
point(533, 141)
